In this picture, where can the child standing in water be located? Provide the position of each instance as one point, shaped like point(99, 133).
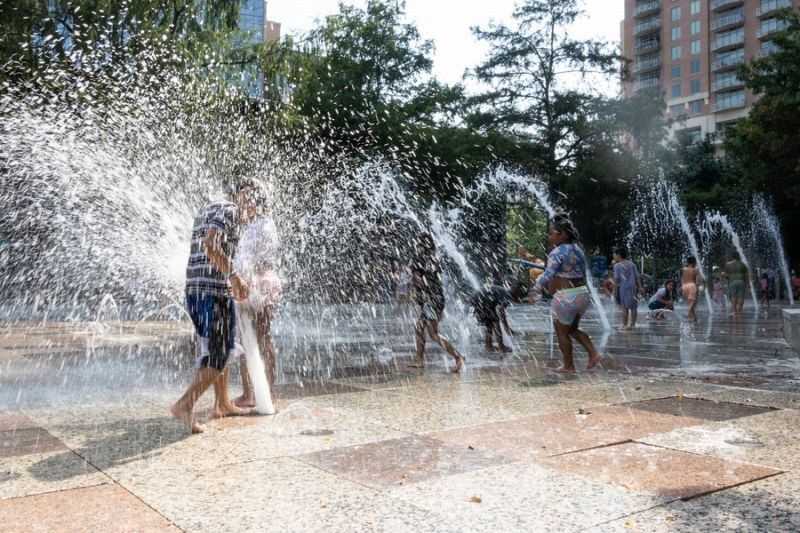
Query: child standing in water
point(429, 295)
point(565, 279)
point(690, 279)
point(629, 285)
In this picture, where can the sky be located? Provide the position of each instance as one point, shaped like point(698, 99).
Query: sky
point(448, 23)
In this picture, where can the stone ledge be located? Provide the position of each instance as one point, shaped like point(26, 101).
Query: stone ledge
point(791, 327)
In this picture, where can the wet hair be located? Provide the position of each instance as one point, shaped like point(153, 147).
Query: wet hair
point(666, 284)
point(622, 252)
point(691, 261)
point(563, 224)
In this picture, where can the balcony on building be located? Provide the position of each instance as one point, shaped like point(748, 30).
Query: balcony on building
point(726, 83)
point(728, 41)
point(720, 5)
point(728, 61)
point(728, 101)
point(646, 8)
point(769, 7)
point(647, 45)
point(768, 48)
point(647, 26)
point(728, 21)
point(770, 27)
point(645, 84)
point(646, 64)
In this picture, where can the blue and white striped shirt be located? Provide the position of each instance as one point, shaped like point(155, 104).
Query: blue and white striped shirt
point(201, 275)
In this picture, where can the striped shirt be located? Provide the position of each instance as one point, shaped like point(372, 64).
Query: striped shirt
point(201, 275)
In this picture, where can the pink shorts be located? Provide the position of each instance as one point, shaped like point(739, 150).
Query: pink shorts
point(690, 291)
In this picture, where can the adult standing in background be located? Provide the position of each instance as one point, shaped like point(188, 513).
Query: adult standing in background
point(629, 285)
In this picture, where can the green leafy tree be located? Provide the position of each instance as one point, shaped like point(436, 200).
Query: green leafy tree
point(529, 69)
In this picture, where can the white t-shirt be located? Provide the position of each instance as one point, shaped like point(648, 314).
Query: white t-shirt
point(661, 294)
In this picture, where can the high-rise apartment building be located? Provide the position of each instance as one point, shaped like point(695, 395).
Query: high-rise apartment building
point(689, 51)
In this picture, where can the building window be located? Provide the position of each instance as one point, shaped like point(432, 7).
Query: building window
point(696, 47)
point(696, 107)
point(694, 86)
point(694, 135)
point(676, 13)
point(676, 110)
point(695, 27)
point(676, 71)
point(695, 68)
point(695, 7)
point(676, 90)
point(676, 52)
point(676, 33)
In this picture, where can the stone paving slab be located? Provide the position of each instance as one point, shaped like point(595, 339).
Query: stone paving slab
point(27, 441)
point(538, 499)
point(107, 508)
point(776, 399)
point(46, 472)
point(563, 432)
point(659, 471)
point(768, 439)
point(400, 461)
point(768, 505)
point(276, 495)
point(698, 408)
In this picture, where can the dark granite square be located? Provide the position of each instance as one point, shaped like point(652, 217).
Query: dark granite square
point(18, 442)
point(697, 408)
point(399, 461)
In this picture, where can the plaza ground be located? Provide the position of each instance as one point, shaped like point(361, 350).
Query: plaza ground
point(687, 428)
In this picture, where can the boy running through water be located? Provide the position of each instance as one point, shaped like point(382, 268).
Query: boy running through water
point(212, 284)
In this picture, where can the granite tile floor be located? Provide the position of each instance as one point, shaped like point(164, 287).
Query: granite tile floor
point(686, 428)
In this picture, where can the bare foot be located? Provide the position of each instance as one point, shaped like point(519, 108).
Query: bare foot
point(593, 362)
point(566, 370)
point(187, 417)
point(459, 364)
point(490, 348)
point(229, 410)
point(245, 401)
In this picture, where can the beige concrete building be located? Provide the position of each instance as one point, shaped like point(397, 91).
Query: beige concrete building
point(272, 31)
point(689, 50)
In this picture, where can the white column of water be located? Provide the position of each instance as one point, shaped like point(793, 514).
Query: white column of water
point(724, 223)
point(680, 215)
point(255, 365)
point(770, 222)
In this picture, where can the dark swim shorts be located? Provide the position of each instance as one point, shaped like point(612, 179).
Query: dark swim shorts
point(214, 319)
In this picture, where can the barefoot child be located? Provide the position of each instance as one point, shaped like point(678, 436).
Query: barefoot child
point(429, 295)
point(257, 258)
point(690, 279)
point(489, 305)
point(565, 279)
point(212, 284)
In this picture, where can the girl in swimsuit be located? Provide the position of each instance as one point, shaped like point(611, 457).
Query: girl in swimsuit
point(565, 279)
point(690, 277)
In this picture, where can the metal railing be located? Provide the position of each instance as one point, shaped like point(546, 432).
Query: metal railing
point(771, 28)
point(728, 82)
point(734, 101)
point(722, 4)
point(648, 25)
point(728, 40)
point(648, 64)
point(728, 61)
point(650, 44)
point(649, 83)
point(768, 6)
point(727, 21)
point(647, 7)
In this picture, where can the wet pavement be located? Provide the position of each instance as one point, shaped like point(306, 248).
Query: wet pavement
point(686, 428)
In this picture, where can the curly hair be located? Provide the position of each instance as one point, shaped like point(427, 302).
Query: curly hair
point(563, 224)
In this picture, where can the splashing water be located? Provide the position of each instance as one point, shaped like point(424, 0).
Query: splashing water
point(718, 219)
point(767, 219)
